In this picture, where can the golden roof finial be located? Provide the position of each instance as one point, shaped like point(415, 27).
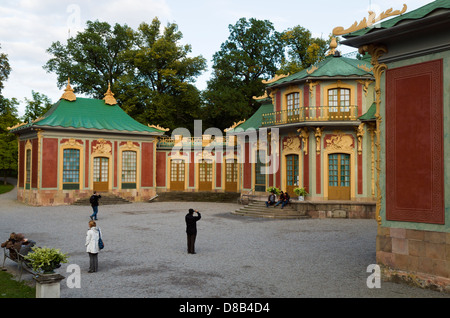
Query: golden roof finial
point(68, 93)
point(109, 97)
point(333, 46)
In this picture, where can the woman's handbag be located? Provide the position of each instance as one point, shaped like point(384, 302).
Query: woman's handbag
point(100, 241)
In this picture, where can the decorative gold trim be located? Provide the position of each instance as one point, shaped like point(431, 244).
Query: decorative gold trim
point(365, 85)
point(333, 47)
point(276, 78)
point(359, 135)
point(109, 97)
point(312, 70)
point(376, 51)
point(370, 21)
point(158, 127)
point(304, 135)
point(101, 148)
point(365, 68)
point(311, 88)
point(235, 125)
point(68, 93)
point(318, 135)
point(16, 126)
point(261, 97)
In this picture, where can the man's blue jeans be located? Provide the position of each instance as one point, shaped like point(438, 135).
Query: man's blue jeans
point(94, 215)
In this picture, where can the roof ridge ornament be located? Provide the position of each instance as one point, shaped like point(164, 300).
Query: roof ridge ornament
point(109, 97)
point(373, 19)
point(276, 78)
point(68, 92)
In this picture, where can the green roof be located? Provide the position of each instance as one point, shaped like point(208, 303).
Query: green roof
point(85, 113)
point(413, 15)
point(332, 66)
point(256, 120)
point(370, 115)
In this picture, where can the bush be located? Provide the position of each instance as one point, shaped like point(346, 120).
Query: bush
point(46, 259)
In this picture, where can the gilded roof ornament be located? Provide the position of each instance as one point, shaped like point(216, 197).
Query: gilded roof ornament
point(333, 46)
point(276, 78)
point(68, 93)
point(158, 127)
point(372, 19)
point(261, 97)
point(109, 97)
point(312, 70)
point(235, 125)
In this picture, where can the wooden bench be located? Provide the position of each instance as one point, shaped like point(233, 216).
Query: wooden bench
point(20, 260)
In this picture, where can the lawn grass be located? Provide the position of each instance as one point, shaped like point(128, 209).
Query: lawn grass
point(10, 288)
point(5, 187)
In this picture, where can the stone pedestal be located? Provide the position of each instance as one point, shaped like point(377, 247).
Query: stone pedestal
point(48, 285)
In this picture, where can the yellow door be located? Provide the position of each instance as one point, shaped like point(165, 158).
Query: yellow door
point(101, 175)
point(177, 175)
point(205, 175)
point(339, 177)
point(231, 175)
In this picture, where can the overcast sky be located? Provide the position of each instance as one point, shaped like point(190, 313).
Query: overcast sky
point(28, 27)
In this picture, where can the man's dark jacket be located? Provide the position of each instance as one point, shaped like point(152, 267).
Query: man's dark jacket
point(191, 223)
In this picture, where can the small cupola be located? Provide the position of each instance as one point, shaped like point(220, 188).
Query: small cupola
point(68, 93)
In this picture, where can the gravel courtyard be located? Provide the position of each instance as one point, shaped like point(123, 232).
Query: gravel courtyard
point(237, 257)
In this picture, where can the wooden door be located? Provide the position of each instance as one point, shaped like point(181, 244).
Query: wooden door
point(101, 174)
point(231, 175)
point(292, 174)
point(339, 177)
point(205, 175)
point(177, 175)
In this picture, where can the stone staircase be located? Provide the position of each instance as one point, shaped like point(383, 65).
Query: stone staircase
point(177, 196)
point(259, 209)
point(107, 199)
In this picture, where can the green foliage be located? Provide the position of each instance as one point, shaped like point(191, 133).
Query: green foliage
point(150, 73)
point(46, 259)
point(5, 69)
point(8, 141)
point(274, 190)
point(302, 50)
point(37, 106)
point(301, 191)
point(251, 54)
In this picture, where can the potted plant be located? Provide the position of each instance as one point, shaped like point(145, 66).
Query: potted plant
point(301, 192)
point(46, 259)
point(273, 190)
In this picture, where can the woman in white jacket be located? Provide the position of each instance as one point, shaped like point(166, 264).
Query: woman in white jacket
point(92, 248)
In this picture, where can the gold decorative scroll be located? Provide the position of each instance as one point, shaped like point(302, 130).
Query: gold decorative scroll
point(158, 127)
point(261, 97)
point(304, 135)
point(365, 68)
point(276, 78)
point(365, 84)
point(235, 125)
point(312, 70)
point(372, 19)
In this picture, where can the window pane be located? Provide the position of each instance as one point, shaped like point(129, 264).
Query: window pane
point(129, 166)
point(71, 165)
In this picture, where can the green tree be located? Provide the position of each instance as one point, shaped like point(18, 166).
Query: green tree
point(303, 50)
point(161, 90)
point(93, 58)
point(252, 53)
point(5, 69)
point(37, 106)
point(8, 141)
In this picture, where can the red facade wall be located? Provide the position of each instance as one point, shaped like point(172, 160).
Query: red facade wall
point(147, 165)
point(49, 163)
point(161, 169)
point(414, 143)
point(34, 163)
point(247, 168)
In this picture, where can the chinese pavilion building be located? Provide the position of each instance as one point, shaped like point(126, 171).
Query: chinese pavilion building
point(83, 145)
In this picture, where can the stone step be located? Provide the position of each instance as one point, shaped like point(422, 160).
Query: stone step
point(106, 199)
point(259, 209)
point(171, 196)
